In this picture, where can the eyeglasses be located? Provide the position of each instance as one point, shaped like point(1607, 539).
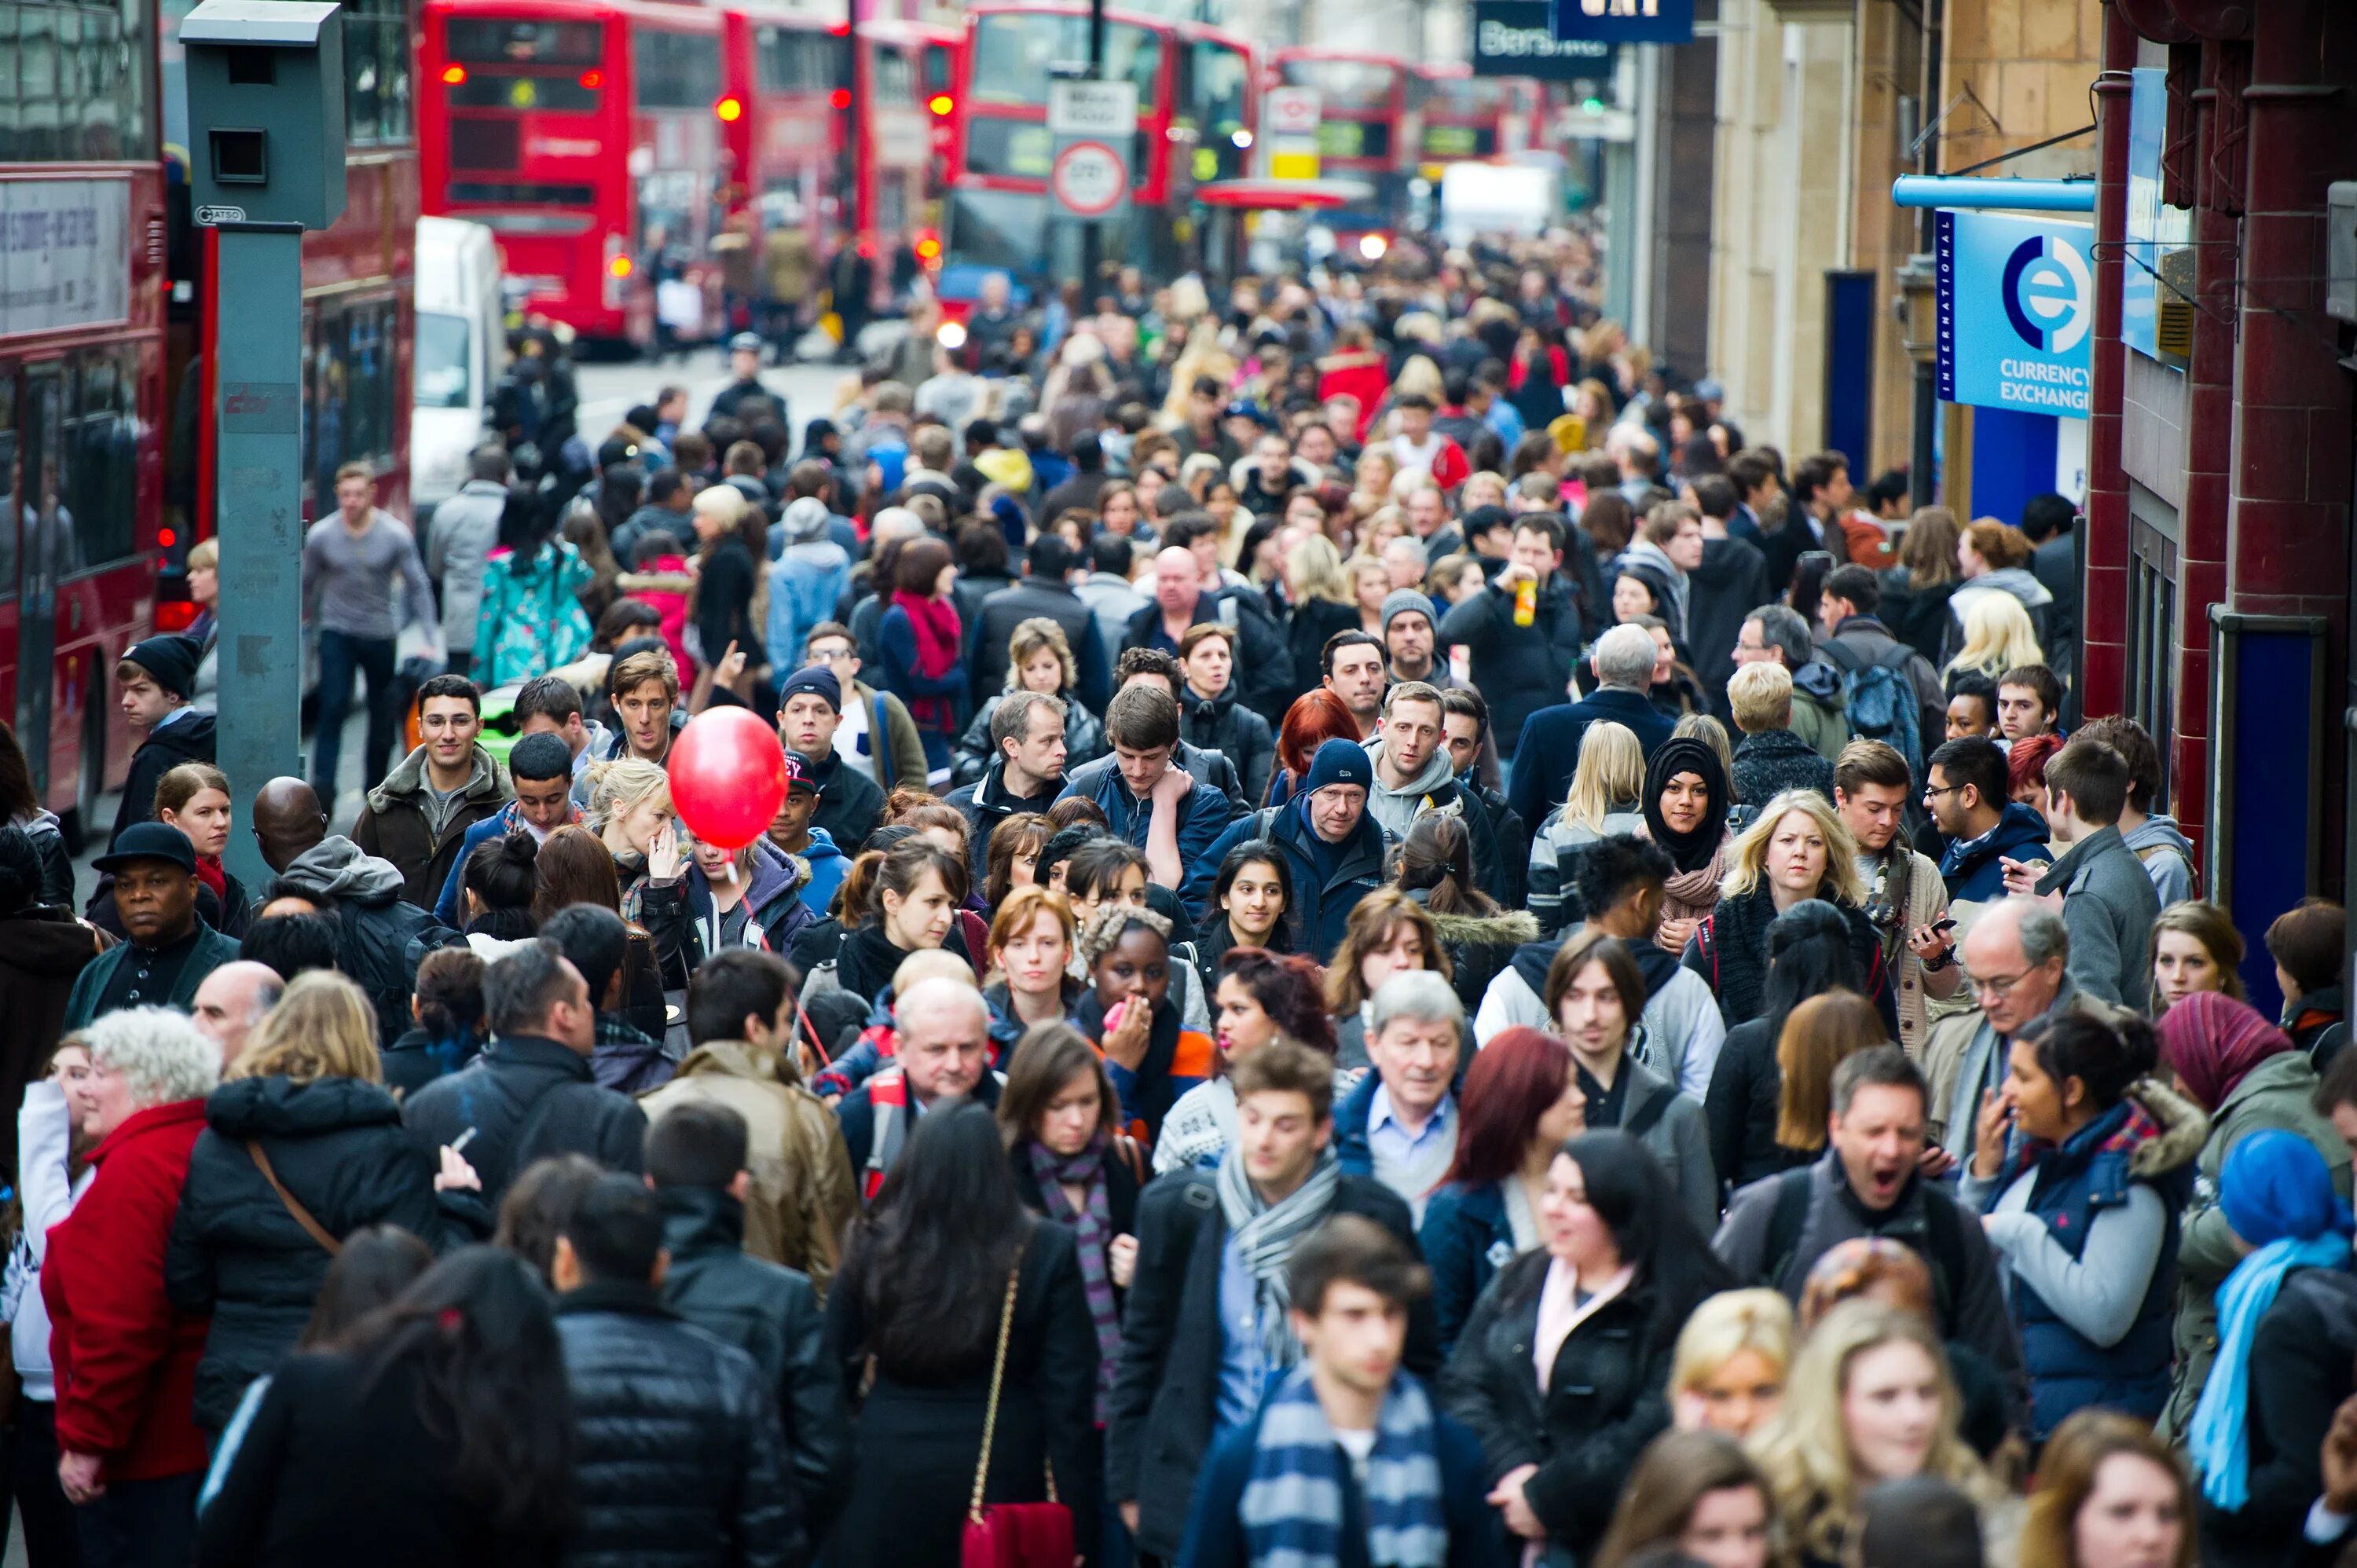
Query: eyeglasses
point(1931, 794)
point(1996, 990)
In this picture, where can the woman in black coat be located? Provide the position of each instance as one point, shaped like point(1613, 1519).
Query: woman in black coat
point(304, 1094)
point(922, 1287)
point(1620, 1270)
point(446, 1437)
point(1809, 953)
point(1071, 1163)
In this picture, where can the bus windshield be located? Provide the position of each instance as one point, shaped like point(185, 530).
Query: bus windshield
point(1013, 52)
point(484, 40)
point(1344, 84)
point(1467, 95)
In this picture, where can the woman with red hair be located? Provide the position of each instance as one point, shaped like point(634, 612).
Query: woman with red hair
point(1316, 716)
point(1262, 996)
point(2024, 769)
point(1521, 1101)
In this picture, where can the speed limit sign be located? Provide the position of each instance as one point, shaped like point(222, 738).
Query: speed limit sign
point(1089, 179)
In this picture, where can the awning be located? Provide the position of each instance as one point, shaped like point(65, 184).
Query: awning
point(1283, 195)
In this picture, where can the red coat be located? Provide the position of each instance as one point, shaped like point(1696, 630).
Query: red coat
point(125, 1360)
point(1364, 375)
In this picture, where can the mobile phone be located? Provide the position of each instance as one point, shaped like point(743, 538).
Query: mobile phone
point(1945, 923)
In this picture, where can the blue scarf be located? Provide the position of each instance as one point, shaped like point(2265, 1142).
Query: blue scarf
point(2277, 1195)
point(1292, 1510)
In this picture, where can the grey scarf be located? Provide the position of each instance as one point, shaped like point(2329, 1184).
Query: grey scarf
point(1264, 1235)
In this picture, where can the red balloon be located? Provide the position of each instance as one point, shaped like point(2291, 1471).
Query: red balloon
point(728, 777)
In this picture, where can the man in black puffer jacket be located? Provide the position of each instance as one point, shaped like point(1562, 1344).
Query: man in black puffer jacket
point(677, 1459)
point(238, 1252)
point(382, 936)
point(695, 1158)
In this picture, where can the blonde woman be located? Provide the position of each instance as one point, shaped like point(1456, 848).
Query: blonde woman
point(1606, 793)
point(304, 1102)
point(1372, 481)
point(2194, 948)
point(631, 811)
point(1869, 1400)
point(1733, 1356)
point(1323, 604)
point(1484, 488)
point(1998, 637)
point(1795, 851)
point(1038, 658)
point(1371, 584)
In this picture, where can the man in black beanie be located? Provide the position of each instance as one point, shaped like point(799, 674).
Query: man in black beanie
point(154, 679)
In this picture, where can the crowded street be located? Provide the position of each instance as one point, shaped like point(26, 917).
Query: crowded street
point(1215, 785)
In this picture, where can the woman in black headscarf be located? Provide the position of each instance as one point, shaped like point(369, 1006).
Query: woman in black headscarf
point(1686, 813)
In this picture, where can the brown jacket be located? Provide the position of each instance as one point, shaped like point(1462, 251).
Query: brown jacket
point(393, 823)
point(801, 1194)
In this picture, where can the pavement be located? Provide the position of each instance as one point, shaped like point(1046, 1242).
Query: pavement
point(607, 391)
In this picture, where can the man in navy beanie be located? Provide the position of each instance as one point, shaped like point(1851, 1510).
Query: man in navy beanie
point(154, 681)
point(1334, 849)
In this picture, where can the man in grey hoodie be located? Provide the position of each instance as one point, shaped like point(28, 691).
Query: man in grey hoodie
point(1414, 775)
point(2152, 837)
point(1670, 541)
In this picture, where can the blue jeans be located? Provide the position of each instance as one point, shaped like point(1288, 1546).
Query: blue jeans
point(341, 657)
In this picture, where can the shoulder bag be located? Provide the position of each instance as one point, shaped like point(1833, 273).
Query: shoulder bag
point(1012, 1535)
point(296, 1211)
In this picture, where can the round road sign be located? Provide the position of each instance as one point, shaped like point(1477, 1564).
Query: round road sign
point(1090, 178)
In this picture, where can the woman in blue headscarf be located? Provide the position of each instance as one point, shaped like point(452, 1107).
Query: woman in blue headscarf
point(2286, 1337)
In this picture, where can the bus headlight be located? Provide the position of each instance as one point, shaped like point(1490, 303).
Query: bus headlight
point(1372, 246)
point(951, 334)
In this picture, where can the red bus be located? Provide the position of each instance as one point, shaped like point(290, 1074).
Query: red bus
point(908, 101)
point(589, 137)
point(360, 316)
point(1197, 92)
point(791, 74)
point(1366, 129)
point(82, 236)
point(1467, 118)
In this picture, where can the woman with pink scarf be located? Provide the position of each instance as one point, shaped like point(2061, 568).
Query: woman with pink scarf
point(920, 638)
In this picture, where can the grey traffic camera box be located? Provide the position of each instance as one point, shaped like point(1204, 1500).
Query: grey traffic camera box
point(266, 110)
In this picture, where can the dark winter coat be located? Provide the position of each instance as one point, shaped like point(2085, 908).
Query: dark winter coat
point(392, 826)
point(339, 1466)
point(1549, 751)
point(675, 1441)
point(239, 1254)
point(1974, 868)
point(1084, 739)
point(1479, 948)
point(1203, 813)
point(1224, 724)
point(2300, 1361)
point(1512, 837)
point(212, 950)
point(187, 739)
point(985, 803)
point(1519, 668)
point(1270, 668)
point(381, 936)
point(772, 1313)
point(1607, 1397)
point(850, 804)
point(1466, 1238)
point(1037, 598)
point(1772, 761)
point(1165, 1397)
point(920, 1440)
point(1730, 949)
point(1319, 909)
point(1721, 593)
point(527, 1097)
point(42, 952)
point(1747, 1091)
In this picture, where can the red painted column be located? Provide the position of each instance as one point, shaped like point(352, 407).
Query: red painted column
point(2104, 597)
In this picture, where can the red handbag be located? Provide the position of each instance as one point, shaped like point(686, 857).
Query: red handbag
point(1012, 1535)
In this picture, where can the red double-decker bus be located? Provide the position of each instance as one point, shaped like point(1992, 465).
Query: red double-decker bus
point(83, 402)
point(589, 137)
point(789, 72)
point(1466, 118)
point(1366, 128)
point(1197, 92)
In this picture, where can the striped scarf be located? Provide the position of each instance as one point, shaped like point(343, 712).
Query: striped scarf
point(1092, 1226)
point(1293, 1505)
point(1264, 1235)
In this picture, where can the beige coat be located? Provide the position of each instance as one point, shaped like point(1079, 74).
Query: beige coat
point(1927, 896)
point(802, 1195)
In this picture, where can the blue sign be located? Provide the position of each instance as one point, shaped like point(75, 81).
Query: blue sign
point(1626, 21)
point(1517, 37)
point(2017, 303)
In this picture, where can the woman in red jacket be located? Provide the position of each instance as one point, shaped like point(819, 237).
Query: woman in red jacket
point(131, 1457)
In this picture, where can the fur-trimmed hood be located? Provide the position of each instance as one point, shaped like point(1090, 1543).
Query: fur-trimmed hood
point(2183, 1128)
point(1506, 928)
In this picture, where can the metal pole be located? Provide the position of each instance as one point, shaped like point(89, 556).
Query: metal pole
point(258, 284)
point(1092, 233)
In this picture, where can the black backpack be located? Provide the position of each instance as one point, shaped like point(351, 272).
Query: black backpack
point(1942, 1248)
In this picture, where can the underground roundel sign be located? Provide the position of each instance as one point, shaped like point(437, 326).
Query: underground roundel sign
point(1089, 178)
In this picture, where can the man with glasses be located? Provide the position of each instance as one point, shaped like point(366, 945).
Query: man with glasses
point(1968, 801)
point(2017, 960)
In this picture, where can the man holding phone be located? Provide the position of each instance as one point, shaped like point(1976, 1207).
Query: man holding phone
point(1906, 898)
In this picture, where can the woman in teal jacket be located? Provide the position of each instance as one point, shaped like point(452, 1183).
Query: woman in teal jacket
point(532, 620)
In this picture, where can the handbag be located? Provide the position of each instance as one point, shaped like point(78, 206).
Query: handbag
point(1012, 1535)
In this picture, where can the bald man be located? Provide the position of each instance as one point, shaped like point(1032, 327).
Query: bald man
point(943, 1051)
point(2015, 957)
point(288, 820)
point(232, 1002)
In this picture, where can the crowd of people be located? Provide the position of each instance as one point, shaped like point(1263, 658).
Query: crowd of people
point(1384, 946)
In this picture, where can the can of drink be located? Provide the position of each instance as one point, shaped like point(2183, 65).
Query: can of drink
point(1526, 602)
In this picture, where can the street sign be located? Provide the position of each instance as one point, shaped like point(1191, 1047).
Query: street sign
point(1517, 37)
point(2015, 301)
point(1089, 179)
point(1092, 109)
point(1292, 111)
point(1626, 21)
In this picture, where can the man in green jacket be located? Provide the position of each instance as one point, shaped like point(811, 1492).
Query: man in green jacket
point(171, 948)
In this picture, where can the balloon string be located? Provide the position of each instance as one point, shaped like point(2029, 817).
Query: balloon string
point(732, 870)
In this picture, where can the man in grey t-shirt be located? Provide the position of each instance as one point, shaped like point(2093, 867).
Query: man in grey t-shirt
point(349, 564)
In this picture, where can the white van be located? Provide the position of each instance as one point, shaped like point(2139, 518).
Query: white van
point(461, 353)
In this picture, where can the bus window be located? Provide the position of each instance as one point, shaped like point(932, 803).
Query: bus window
point(520, 91)
point(888, 76)
point(489, 41)
point(675, 70)
point(1344, 85)
point(937, 68)
point(791, 60)
point(377, 108)
point(101, 445)
point(1013, 52)
point(1218, 83)
point(12, 490)
point(83, 82)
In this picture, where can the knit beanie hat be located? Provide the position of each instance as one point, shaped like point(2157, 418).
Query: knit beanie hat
point(1405, 601)
point(818, 680)
point(1340, 762)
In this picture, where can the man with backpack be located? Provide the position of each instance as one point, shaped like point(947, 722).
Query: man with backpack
point(1878, 670)
point(1869, 1184)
